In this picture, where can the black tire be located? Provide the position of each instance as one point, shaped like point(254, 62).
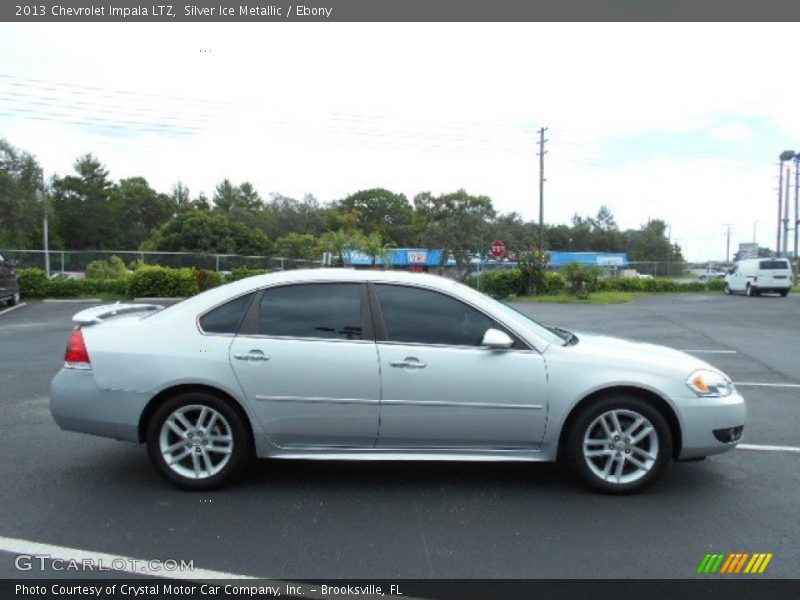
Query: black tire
point(583, 425)
point(239, 432)
point(748, 290)
point(727, 290)
point(784, 293)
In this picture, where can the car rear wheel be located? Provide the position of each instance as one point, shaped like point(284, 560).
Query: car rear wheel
point(198, 441)
point(619, 445)
point(784, 293)
point(727, 290)
point(749, 290)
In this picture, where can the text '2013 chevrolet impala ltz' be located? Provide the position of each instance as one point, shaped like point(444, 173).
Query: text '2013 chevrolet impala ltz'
point(382, 365)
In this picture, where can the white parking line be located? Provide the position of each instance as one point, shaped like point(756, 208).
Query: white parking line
point(126, 563)
point(759, 384)
point(16, 306)
point(768, 448)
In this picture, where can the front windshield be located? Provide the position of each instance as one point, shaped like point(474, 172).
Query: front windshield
point(546, 333)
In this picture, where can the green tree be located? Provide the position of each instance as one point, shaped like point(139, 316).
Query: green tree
point(458, 222)
point(21, 210)
point(142, 210)
point(211, 232)
point(230, 198)
point(381, 211)
point(373, 246)
point(283, 215)
point(298, 245)
point(339, 243)
point(86, 214)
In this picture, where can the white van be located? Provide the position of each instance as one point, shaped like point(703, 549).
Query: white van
point(755, 276)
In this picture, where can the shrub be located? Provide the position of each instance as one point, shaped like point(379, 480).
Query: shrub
point(582, 279)
point(503, 283)
point(113, 268)
point(554, 283)
point(162, 282)
point(241, 273)
point(715, 285)
point(207, 279)
point(32, 282)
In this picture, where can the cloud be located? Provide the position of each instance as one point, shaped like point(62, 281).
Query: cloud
point(732, 132)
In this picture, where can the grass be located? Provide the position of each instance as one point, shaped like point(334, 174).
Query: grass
point(596, 298)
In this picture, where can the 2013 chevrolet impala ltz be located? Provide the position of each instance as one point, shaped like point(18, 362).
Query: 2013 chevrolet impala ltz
point(382, 365)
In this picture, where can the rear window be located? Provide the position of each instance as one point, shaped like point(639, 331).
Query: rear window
point(773, 264)
point(226, 318)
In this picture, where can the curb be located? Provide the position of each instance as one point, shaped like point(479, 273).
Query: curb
point(70, 300)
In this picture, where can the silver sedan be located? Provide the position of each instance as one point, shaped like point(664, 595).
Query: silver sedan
point(382, 365)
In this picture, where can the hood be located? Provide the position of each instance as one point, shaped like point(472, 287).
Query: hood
point(641, 353)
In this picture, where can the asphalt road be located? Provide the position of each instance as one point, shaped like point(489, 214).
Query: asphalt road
point(293, 520)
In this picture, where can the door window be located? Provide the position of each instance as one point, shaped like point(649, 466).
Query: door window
point(418, 316)
point(312, 310)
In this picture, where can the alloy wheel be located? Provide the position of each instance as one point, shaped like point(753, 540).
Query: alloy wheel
point(196, 441)
point(620, 446)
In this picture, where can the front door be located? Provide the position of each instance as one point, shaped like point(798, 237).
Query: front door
point(309, 373)
point(441, 389)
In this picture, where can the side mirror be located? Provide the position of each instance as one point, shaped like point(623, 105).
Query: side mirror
point(496, 340)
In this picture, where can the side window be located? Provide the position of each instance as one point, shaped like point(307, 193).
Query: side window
point(226, 318)
point(312, 310)
point(418, 316)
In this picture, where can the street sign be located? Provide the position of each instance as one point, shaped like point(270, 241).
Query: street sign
point(498, 249)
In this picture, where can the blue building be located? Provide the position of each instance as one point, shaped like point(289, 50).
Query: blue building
point(416, 259)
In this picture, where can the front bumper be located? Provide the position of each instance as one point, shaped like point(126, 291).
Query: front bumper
point(78, 404)
point(701, 417)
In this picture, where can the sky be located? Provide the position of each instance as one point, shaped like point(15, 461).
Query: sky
point(680, 122)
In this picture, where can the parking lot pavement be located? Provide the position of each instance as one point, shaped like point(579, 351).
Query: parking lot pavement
point(295, 519)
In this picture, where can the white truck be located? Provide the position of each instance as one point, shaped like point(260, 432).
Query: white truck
point(755, 276)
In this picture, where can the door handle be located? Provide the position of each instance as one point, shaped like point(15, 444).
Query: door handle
point(253, 355)
point(408, 363)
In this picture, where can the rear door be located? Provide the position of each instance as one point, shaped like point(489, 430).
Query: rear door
point(306, 359)
point(774, 273)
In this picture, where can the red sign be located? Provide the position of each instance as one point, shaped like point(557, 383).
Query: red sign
point(498, 249)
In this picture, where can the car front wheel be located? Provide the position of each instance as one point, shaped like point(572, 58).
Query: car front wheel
point(198, 441)
point(619, 445)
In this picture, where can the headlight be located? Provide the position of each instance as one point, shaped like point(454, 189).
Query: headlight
point(711, 384)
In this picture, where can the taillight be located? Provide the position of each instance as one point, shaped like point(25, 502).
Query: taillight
point(76, 356)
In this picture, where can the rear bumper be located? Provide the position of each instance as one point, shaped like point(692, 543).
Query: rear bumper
point(701, 417)
point(78, 404)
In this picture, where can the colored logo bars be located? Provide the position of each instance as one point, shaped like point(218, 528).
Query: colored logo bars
point(739, 562)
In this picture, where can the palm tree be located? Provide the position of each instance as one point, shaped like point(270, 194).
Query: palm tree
point(374, 247)
point(338, 243)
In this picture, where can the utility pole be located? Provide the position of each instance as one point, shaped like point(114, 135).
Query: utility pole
point(780, 209)
point(542, 152)
point(796, 216)
point(728, 243)
point(45, 233)
point(755, 226)
point(796, 204)
point(786, 214)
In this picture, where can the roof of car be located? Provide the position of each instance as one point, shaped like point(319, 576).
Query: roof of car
point(220, 294)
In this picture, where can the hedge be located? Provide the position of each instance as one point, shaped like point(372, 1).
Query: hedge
point(152, 281)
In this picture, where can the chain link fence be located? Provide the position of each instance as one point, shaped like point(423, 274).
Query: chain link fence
point(77, 260)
